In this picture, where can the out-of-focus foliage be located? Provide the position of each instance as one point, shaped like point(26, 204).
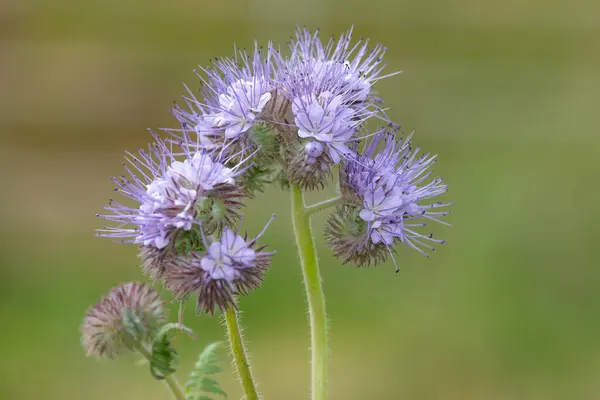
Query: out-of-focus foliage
point(201, 381)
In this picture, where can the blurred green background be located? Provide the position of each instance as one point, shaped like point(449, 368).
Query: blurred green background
point(505, 91)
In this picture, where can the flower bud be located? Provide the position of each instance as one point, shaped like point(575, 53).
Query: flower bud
point(310, 166)
point(128, 314)
point(314, 149)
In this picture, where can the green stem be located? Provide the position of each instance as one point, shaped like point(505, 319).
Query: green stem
point(315, 208)
point(236, 343)
point(170, 380)
point(314, 294)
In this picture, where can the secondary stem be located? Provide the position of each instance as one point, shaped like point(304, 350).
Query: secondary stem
point(169, 380)
point(236, 343)
point(315, 208)
point(314, 294)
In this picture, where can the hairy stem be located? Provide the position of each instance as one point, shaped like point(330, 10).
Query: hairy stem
point(315, 208)
point(236, 343)
point(314, 294)
point(170, 380)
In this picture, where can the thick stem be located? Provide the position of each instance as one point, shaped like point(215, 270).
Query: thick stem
point(169, 380)
point(315, 208)
point(236, 343)
point(314, 294)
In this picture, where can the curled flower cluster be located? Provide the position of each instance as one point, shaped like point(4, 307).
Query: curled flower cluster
point(386, 189)
point(185, 196)
point(173, 194)
point(127, 315)
point(262, 118)
point(298, 115)
point(232, 265)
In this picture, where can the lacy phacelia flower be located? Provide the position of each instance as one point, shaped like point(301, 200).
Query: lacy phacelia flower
point(320, 93)
point(337, 66)
point(325, 119)
point(234, 95)
point(241, 104)
point(127, 315)
point(327, 88)
point(173, 195)
point(230, 266)
point(385, 188)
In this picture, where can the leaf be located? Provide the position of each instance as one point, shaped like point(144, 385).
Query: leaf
point(200, 383)
point(164, 356)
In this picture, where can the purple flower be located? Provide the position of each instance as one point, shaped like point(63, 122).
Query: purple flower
point(130, 313)
point(358, 66)
point(325, 119)
point(272, 106)
point(381, 203)
point(329, 86)
point(173, 190)
point(230, 266)
point(388, 185)
point(241, 104)
point(235, 92)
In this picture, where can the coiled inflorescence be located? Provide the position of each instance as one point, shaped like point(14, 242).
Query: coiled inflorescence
point(262, 118)
point(128, 316)
point(230, 265)
point(386, 189)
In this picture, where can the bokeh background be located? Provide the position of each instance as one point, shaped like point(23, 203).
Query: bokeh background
point(507, 93)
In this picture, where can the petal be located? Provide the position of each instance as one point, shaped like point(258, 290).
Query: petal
point(234, 130)
point(375, 237)
point(324, 137)
point(387, 237)
point(378, 196)
point(315, 113)
point(227, 238)
point(342, 149)
point(237, 245)
point(334, 103)
point(302, 121)
point(225, 101)
point(214, 250)
point(304, 133)
point(391, 201)
point(161, 241)
point(412, 209)
point(207, 263)
point(335, 156)
point(345, 114)
point(246, 256)
point(264, 99)
point(367, 215)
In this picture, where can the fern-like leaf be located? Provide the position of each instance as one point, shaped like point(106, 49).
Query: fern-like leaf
point(200, 383)
point(164, 356)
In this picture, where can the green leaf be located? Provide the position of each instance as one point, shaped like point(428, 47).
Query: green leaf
point(200, 383)
point(164, 356)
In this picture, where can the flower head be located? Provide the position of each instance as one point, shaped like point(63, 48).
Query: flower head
point(341, 67)
point(235, 92)
point(231, 265)
point(130, 313)
point(324, 118)
point(386, 187)
point(322, 94)
point(174, 190)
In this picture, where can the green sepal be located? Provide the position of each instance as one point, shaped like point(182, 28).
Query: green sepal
point(264, 137)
